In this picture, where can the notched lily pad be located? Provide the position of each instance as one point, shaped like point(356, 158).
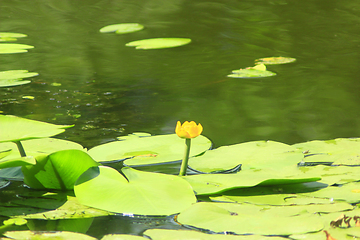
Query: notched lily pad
point(274, 60)
point(122, 28)
point(158, 43)
point(252, 72)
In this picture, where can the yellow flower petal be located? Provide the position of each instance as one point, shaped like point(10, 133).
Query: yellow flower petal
point(188, 129)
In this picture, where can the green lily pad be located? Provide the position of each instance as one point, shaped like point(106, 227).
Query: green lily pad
point(205, 184)
point(15, 221)
point(279, 195)
point(122, 237)
point(36, 147)
point(15, 77)
point(38, 235)
point(158, 43)
point(134, 192)
point(19, 129)
point(50, 206)
point(252, 72)
point(122, 28)
point(17, 162)
point(6, 48)
point(340, 151)
point(12, 35)
point(252, 155)
point(247, 219)
point(274, 60)
point(145, 149)
point(162, 234)
point(348, 192)
point(58, 170)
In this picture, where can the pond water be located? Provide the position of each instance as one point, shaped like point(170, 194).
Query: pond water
point(92, 80)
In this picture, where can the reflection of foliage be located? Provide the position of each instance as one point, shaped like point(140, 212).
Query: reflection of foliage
point(346, 220)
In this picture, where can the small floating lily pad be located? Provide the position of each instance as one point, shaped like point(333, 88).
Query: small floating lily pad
point(158, 43)
point(274, 60)
point(15, 77)
point(14, 48)
point(252, 72)
point(122, 28)
point(8, 36)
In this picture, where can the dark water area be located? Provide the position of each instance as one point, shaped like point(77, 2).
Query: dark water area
point(118, 90)
point(109, 90)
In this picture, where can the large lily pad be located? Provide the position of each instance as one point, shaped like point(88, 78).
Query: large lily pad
point(141, 149)
point(122, 28)
point(247, 219)
point(15, 77)
point(14, 129)
point(205, 184)
point(122, 237)
point(279, 195)
point(340, 151)
point(252, 155)
point(14, 48)
point(58, 170)
point(158, 43)
point(162, 234)
point(348, 192)
point(135, 192)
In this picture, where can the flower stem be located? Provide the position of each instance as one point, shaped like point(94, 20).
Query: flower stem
point(185, 160)
point(21, 148)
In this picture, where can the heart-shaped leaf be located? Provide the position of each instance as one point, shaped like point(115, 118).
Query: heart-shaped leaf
point(137, 192)
point(58, 170)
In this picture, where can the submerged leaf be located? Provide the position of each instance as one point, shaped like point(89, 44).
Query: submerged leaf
point(158, 43)
point(122, 28)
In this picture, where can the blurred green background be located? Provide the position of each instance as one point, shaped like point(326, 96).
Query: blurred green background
point(108, 90)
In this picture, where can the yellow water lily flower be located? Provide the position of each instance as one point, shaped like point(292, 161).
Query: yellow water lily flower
point(188, 129)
